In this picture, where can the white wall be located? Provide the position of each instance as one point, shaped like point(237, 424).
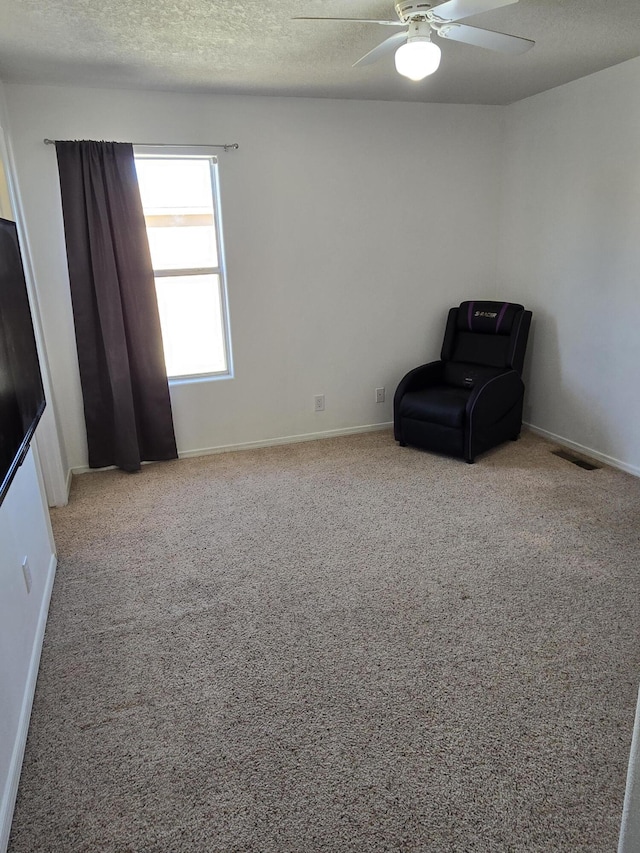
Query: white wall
point(350, 228)
point(570, 250)
point(48, 436)
point(24, 532)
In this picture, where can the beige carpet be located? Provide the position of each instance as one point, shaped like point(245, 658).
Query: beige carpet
point(338, 646)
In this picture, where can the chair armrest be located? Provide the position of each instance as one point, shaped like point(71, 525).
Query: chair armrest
point(417, 379)
point(490, 401)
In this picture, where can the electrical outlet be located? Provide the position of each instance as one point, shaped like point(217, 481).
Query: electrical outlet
point(379, 395)
point(318, 403)
point(26, 573)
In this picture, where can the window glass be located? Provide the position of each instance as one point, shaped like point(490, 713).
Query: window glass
point(189, 307)
point(180, 203)
point(181, 245)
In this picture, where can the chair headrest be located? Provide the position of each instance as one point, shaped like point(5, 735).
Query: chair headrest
point(489, 318)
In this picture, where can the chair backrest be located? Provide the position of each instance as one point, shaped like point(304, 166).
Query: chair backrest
point(488, 334)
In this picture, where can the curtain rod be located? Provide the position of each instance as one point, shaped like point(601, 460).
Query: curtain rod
point(227, 147)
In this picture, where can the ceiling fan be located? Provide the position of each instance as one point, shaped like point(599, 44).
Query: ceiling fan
point(416, 56)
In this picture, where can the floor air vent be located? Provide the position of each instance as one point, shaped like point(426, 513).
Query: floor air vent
point(575, 460)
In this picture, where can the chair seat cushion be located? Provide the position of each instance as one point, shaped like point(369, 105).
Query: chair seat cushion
point(439, 404)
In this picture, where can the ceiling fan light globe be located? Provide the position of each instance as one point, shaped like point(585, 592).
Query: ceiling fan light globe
point(417, 58)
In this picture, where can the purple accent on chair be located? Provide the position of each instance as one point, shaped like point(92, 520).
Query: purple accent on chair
point(501, 315)
point(470, 315)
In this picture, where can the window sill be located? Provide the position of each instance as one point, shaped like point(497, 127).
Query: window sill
point(200, 377)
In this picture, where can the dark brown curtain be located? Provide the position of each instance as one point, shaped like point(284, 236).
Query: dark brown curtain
point(124, 383)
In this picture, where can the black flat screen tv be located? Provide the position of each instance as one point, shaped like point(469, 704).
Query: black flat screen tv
point(21, 393)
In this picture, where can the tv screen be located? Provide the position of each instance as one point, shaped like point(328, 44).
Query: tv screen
point(21, 392)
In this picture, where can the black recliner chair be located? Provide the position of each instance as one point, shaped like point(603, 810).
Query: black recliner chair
point(470, 400)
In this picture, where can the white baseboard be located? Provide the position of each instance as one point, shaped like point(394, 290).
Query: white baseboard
point(251, 445)
point(586, 451)
point(11, 786)
point(285, 439)
point(333, 433)
point(68, 482)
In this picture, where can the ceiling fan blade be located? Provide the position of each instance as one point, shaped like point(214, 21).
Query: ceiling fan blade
point(453, 10)
point(352, 20)
point(387, 46)
point(484, 38)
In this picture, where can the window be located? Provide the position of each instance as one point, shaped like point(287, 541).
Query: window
point(179, 194)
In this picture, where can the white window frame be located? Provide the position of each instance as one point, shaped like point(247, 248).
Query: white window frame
point(200, 152)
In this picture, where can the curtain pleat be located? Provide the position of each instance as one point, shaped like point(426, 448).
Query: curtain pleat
point(122, 369)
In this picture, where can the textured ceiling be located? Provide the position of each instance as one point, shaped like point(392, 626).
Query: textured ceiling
point(256, 48)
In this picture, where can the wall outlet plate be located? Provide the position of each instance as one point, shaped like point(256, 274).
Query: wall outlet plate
point(379, 395)
point(318, 403)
